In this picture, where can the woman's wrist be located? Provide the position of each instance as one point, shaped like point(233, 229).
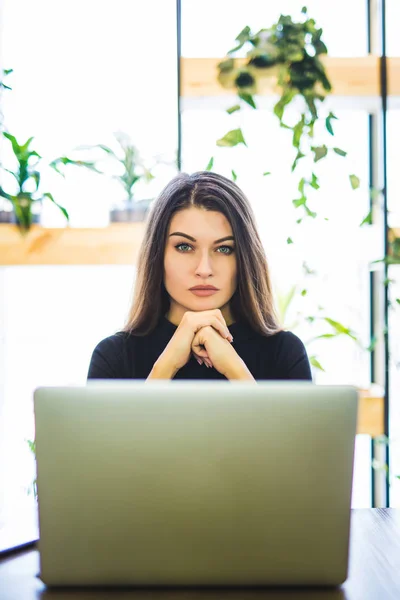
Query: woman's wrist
point(162, 370)
point(240, 371)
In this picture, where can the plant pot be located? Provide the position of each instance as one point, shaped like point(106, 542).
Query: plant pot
point(130, 212)
point(7, 216)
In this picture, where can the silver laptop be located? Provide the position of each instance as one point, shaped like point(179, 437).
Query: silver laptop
point(195, 483)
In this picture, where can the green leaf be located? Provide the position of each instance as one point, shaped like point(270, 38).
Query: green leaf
point(36, 177)
point(285, 99)
point(210, 164)
point(354, 181)
point(299, 201)
point(226, 66)
point(25, 147)
point(367, 220)
point(62, 209)
point(15, 146)
point(328, 123)
point(298, 132)
point(234, 176)
point(301, 185)
point(248, 98)
point(319, 152)
point(15, 175)
point(233, 109)
point(267, 173)
point(242, 38)
point(340, 152)
point(340, 329)
point(314, 182)
point(315, 363)
point(303, 292)
point(398, 300)
point(388, 281)
point(298, 157)
point(232, 138)
point(64, 160)
point(289, 241)
point(32, 446)
point(388, 260)
point(309, 212)
point(4, 194)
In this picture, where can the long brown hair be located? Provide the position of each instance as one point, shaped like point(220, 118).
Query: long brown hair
point(252, 301)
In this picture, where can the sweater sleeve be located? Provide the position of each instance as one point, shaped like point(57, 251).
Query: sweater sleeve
point(107, 359)
point(291, 357)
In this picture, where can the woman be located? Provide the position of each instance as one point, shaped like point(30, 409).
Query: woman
point(203, 306)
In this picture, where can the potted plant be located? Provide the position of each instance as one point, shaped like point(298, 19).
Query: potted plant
point(128, 169)
point(5, 208)
point(24, 196)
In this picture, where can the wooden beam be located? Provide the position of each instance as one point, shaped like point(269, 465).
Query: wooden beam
point(117, 244)
point(350, 76)
point(394, 76)
point(371, 411)
point(394, 233)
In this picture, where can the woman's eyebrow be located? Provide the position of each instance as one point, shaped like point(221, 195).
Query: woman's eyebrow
point(192, 239)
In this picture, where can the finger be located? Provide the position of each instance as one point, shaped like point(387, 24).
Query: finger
point(199, 352)
point(204, 358)
point(222, 329)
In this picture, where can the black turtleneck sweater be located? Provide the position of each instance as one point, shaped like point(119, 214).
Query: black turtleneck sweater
point(126, 356)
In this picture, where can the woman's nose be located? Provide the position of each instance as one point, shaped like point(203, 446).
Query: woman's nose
point(204, 267)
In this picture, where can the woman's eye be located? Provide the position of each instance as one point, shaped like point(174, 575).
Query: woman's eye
point(226, 249)
point(221, 249)
point(183, 247)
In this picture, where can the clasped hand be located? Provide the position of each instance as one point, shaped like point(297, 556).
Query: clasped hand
point(206, 335)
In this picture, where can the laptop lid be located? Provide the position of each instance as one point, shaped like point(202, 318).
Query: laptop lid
point(182, 483)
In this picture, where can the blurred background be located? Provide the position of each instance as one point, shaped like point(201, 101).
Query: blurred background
point(118, 97)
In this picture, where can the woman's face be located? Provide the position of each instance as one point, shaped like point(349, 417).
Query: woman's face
point(200, 251)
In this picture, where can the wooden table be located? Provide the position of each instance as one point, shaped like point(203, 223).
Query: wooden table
point(374, 572)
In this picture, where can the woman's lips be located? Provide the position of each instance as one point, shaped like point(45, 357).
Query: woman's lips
point(204, 292)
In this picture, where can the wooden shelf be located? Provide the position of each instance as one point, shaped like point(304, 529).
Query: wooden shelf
point(394, 232)
point(371, 411)
point(349, 76)
point(117, 244)
point(393, 76)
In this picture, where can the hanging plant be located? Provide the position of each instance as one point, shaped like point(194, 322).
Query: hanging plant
point(290, 53)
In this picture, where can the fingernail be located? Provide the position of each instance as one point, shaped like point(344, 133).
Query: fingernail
point(199, 361)
point(231, 339)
